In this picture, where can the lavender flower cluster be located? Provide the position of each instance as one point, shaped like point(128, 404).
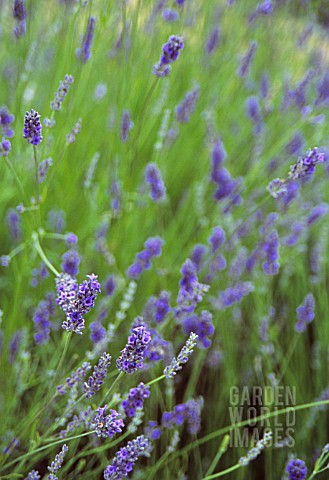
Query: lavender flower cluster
point(131, 358)
point(76, 300)
point(170, 53)
point(126, 457)
point(135, 399)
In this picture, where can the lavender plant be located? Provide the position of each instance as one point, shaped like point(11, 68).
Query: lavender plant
point(195, 202)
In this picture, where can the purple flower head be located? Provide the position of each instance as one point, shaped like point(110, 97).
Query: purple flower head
point(19, 10)
point(232, 295)
point(180, 2)
point(71, 261)
point(216, 239)
point(84, 53)
point(200, 324)
point(75, 378)
point(57, 463)
point(76, 300)
point(110, 285)
point(15, 343)
point(107, 425)
point(126, 125)
point(247, 60)
point(170, 15)
point(191, 291)
point(43, 169)
point(170, 53)
point(306, 165)
point(296, 469)
point(6, 119)
point(253, 111)
point(61, 93)
point(33, 475)
point(218, 155)
point(5, 260)
point(184, 110)
point(95, 382)
point(162, 306)
point(131, 358)
point(5, 147)
point(97, 332)
point(42, 319)
point(212, 41)
point(277, 188)
point(264, 85)
point(155, 183)
point(71, 238)
point(171, 49)
point(265, 8)
point(271, 251)
point(135, 399)
point(317, 212)
point(126, 458)
point(305, 313)
point(197, 256)
point(189, 412)
point(153, 430)
point(143, 260)
point(14, 224)
point(32, 127)
point(176, 363)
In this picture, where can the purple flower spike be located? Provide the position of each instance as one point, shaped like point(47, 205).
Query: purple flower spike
point(131, 358)
point(143, 260)
point(95, 382)
point(76, 300)
point(126, 458)
point(296, 469)
point(135, 400)
point(155, 182)
point(32, 127)
point(305, 313)
point(107, 425)
point(170, 53)
point(85, 51)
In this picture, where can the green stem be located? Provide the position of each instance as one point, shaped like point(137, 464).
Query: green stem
point(156, 380)
point(111, 387)
point(45, 447)
point(223, 472)
point(17, 180)
point(42, 254)
point(37, 193)
point(60, 363)
point(222, 449)
point(287, 358)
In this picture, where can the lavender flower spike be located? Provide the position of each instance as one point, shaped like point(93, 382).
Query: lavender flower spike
point(296, 469)
point(125, 458)
point(57, 463)
point(305, 313)
point(306, 165)
point(107, 425)
point(131, 358)
point(95, 382)
point(85, 51)
point(32, 127)
point(170, 53)
point(155, 182)
point(61, 93)
point(176, 364)
point(76, 300)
